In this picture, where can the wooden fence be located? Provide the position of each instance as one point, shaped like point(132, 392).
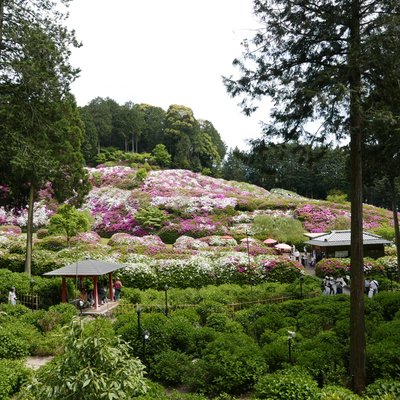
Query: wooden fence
point(32, 301)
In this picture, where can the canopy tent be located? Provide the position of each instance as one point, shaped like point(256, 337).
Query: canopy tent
point(284, 247)
point(270, 241)
point(85, 268)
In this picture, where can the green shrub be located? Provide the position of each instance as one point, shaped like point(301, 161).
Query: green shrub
point(12, 346)
point(337, 393)
point(14, 262)
point(287, 385)
point(390, 304)
point(53, 243)
point(13, 374)
point(170, 367)
point(229, 364)
point(382, 387)
point(283, 229)
point(42, 233)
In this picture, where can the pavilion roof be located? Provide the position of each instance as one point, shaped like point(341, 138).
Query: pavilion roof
point(343, 238)
point(86, 268)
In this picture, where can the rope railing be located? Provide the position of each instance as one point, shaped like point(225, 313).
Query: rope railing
point(124, 308)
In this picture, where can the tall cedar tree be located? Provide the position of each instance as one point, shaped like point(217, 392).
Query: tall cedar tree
point(40, 127)
point(311, 58)
point(383, 117)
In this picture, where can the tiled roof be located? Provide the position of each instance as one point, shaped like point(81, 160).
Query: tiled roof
point(342, 238)
point(86, 268)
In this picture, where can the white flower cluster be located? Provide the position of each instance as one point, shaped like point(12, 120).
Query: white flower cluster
point(192, 204)
point(41, 215)
point(187, 242)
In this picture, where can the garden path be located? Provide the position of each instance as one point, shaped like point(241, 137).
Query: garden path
point(37, 362)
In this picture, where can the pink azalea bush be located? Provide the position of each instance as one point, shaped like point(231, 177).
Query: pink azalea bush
point(341, 267)
point(110, 176)
point(317, 218)
point(279, 269)
point(332, 267)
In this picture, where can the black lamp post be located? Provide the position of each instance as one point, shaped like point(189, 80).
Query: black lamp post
point(146, 337)
point(166, 299)
point(390, 276)
point(291, 335)
point(32, 284)
point(139, 313)
point(301, 284)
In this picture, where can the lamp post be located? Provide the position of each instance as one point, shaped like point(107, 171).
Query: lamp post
point(390, 276)
point(146, 337)
point(301, 284)
point(166, 299)
point(32, 284)
point(291, 335)
point(139, 313)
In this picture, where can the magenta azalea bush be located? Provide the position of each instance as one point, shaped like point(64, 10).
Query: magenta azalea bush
point(318, 218)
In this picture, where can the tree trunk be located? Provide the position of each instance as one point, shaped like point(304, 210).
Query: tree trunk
point(395, 223)
point(357, 318)
point(133, 142)
point(29, 234)
point(1, 24)
point(126, 144)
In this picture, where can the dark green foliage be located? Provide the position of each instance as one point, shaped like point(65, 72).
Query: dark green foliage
point(13, 374)
point(323, 357)
point(383, 353)
point(12, 346)
point(170, 367)
point(95, 364)
point(231, 364)
point(53, 243)
point(390, 304)
point(169, 234)
point(287, 385)
point(382, 387)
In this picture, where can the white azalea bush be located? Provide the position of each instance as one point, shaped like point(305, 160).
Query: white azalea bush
point(187, 242)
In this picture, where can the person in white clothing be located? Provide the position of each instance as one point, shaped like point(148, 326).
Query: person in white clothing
point(373, 288)
point(12, 297)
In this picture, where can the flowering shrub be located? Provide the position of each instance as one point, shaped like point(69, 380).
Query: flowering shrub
point(318, 218)
point(332, 267)
point(279, 269)
point(10, 230)
point(216, 240)
point(372, 267)
point(86, 237)
point(187, 242)
point(41, 215)
point(123, 239)
point(110, 176)
point(389, 263)
point(341, 266)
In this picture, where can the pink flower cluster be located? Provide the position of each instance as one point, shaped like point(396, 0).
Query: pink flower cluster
point(110, 176)
point(318, 218)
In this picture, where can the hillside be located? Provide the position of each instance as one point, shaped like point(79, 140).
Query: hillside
point(181, 228)
point(196, 204)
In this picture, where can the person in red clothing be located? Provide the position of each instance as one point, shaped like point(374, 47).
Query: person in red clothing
point(117, 288)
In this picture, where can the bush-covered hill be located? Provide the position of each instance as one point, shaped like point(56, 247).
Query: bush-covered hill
point(177, 202)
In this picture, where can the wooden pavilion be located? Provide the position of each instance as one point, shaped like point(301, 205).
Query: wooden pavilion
point(83, 269)
point(338, 244)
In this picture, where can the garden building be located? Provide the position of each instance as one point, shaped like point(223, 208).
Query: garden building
point(337, 244)
point(93, 269)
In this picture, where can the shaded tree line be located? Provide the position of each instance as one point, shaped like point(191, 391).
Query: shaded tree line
point(193, 144)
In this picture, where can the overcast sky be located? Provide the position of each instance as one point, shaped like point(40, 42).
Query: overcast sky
point(164, 52)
